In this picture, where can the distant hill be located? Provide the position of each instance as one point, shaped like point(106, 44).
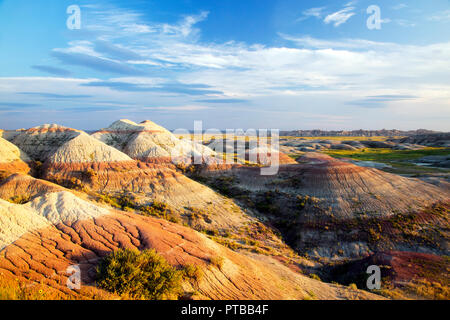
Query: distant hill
point(355, 133)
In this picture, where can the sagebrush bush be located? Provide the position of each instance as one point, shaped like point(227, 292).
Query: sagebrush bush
point(139, 275)
point(20, 199)
point(193, 272)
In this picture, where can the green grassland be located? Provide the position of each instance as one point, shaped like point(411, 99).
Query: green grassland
point(334, 138)
point(400, 160)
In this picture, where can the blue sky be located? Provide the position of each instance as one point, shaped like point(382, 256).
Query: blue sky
point(284, 64)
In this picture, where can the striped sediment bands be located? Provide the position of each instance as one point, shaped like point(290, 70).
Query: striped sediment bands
point(343, 187)
point(111, 175)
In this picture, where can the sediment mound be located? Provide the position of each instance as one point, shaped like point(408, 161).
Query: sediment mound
point(148, 141)
point(26, 187)
point(10, 152)
point(268, 156)
point(42, 141)
point(12, 159)
point(42, 251)
point(84, 149)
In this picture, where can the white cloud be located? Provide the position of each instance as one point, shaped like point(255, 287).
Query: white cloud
point(312, 12)
point(178, 108)
point(443, 16)
point(315, 72)
point(340, 17)
point(399, 6)
point(405, 23)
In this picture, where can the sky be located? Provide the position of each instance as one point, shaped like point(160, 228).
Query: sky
point(275, 64)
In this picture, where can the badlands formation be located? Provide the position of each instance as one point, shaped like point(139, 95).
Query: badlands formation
point(330, 209)
point(39, 240)
point(148, 141)
point(72, 198)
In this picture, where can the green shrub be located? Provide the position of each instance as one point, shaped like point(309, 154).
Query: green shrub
point(139, 275)
point(20, 199)
point(314, 276)
point(159, 210)
point(353, 286)
point(192, 271)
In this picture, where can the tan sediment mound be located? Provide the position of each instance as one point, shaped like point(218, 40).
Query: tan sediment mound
point(332, 209)
point(84, 148)
point(148, 141)
point(26, 186)
point(12, 159)
point(42, 141)
point(44, 253)
point(9, 152)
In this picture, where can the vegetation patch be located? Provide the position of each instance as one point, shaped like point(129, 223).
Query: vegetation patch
point(401, 161)
point(126, 202)
point(20, 199)
point(139, 275)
